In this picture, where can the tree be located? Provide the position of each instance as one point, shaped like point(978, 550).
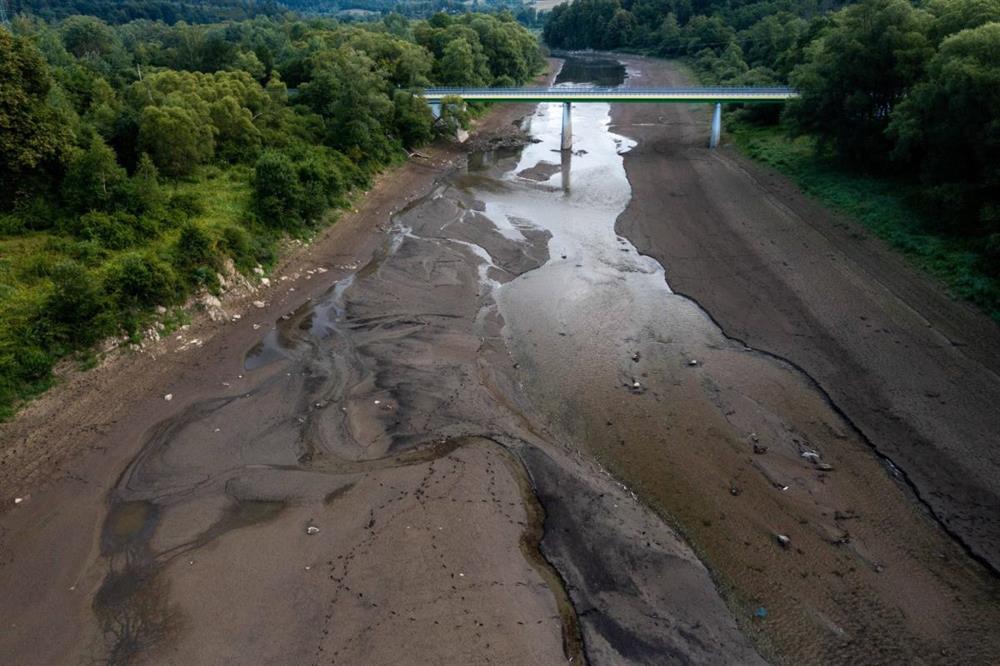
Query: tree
point(412, 119)
point(176, 138)
point(146, 193)
point(94, 180)
point(87, 37)
point(29, 131)
point(856, 73)
point(457, 66)
point(953, 16)
point(956, 112)
point(348, 92)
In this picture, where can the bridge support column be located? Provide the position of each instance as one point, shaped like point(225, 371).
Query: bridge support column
point(435, 109)
point(567, 128)
point(713, 142)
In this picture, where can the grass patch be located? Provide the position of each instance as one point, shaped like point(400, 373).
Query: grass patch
point(881, 206)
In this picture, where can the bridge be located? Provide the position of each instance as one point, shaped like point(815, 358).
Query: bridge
point(568, 95)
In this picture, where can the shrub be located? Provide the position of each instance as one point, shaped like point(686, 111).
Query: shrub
point(113, 231)
point(136, 280)
point(276, 190)
point(238, 244)
point(72, 309)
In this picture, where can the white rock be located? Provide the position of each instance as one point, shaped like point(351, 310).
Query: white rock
point(168, 397)
point(258, 304)
point(692, 362)
point(265, 281)
point(258, 270)
point(312, 529)
point(160, 310)
point(18, 500)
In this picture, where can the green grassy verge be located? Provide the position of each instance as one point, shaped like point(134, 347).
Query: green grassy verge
point(880, 206)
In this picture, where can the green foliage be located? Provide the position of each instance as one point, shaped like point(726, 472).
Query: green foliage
point(31, 133)
point(956, 111)
point(175, 138)
point(276, 190)
point(856, 73)
point(94, 180)
point(412, 119)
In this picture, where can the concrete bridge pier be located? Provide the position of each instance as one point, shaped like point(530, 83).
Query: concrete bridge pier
point(567, 128)
point(713, 142)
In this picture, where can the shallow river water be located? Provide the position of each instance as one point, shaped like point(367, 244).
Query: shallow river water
point(504, 307)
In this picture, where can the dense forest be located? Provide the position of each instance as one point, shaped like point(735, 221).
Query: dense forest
point(168, 11)
point(138, 161)
point(213, 11)
point(889, 88)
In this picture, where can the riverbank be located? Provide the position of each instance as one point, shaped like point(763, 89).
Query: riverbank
point(912, 373)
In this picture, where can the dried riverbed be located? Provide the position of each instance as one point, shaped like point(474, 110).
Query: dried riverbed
point(487, 442)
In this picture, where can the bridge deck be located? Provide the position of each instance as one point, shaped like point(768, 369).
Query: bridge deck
point(590, 94)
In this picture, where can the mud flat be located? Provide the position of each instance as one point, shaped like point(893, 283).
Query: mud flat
point(475, 424)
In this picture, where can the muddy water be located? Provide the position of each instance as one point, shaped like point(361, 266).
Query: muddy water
point(505, 323)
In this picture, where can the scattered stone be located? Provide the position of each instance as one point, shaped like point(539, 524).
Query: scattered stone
point(759, 449)
point(18, 500)
point(735, 492)
point(635, 357)
point(258, 270)
point(258, 304)
point(783, 540)
point(256, 326)
point(265, 282)
point(636, 385)
point(237, 317)
point(693, 362)
point(810, 455)
point(168, 397)
point(160, 310)
point(824, 467)
point(312, 529)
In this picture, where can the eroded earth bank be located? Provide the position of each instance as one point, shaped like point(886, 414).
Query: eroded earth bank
point(500, 438)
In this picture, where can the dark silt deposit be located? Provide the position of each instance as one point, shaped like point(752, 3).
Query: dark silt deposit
point(506, 436)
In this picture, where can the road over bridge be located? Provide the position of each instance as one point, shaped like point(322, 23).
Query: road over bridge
point(569, 95)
